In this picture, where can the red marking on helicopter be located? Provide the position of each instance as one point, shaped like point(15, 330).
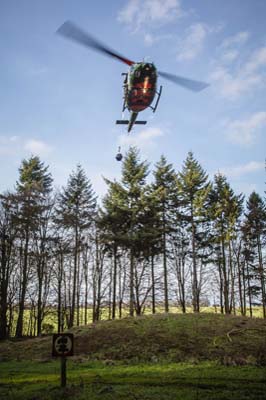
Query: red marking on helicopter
point(141, 86)
point(141, 95)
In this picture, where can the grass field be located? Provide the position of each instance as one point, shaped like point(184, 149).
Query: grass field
point(167, 356)
point(94, 380)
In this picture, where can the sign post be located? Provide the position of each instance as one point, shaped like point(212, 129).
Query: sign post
point(63, 346)
point(63, 371)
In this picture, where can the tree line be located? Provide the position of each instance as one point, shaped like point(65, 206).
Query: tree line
point(158, 239)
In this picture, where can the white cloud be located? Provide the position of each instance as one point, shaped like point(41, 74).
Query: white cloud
point(193, 43)
point(37, 147)
point(232, 85)
point(237, 40)
point(98, 184)
point(245, 132)
point(239, 170)
point(230, 55)
point(129, 12)
point(17, 146)
point(142, 139)
point(37, 71)
point(138, 13)
point(230, 49)
point(237, 73)
point(257, 60)
point(9, 145)
point(13, 138)
point(151, 39)
point(246, 188)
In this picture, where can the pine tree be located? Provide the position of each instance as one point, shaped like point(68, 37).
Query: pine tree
point(193, 188)
point(34, 176)
point(166, 193)
point(32, 189)
point(255, 229)
point(126, 205)
point(75, 211)
point(112, 223)
point(152, 234)
point(224, 210)
point(8, 233)
point(134, 174)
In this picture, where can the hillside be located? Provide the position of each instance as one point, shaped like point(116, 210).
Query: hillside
point(231, 340)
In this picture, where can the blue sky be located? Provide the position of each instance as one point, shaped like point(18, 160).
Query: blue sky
point(60, 100)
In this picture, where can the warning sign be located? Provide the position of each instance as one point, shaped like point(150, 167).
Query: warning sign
point(63, 345)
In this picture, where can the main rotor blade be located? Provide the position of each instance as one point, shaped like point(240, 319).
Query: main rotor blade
point(73, 32)
point(190, 84)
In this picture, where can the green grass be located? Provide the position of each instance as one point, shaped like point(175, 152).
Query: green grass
point(167, 356)
point(29, 380)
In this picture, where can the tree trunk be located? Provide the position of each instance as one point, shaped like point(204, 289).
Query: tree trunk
point(221, 285)
point(39, 308)
point(86, 293)
point(232, 280)
point(180, 267)
point(195, 291)
point(98, 283)
point(73, 303)
point(78, 290)
point(240, 285)
point(165, 272)
point(110, 307)
point(60, 324)
point(114, 282)
point(4, 276)
point(249, 290)
point(262, 278)
point(153, 284)
point(19, 328)
point(225, 279)
point(131, 300)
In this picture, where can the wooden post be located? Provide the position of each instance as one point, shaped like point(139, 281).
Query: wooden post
point(63, 344)
point(63, 372)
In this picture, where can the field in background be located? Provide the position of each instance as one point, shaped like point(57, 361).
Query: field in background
point(50, 320)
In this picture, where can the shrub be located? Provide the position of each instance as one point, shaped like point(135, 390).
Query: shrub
point(47, 329)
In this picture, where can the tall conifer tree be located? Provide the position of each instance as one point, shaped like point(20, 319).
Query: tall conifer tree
point(193, 188)
point(255, 229)
point(126, 202)
point(32, 189)
point(75, 212)
point(166, 195)
point(224, 209)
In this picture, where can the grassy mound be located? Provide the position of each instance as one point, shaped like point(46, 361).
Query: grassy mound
point(231, 340)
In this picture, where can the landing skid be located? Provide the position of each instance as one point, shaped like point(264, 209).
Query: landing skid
point(126, 122)
point(157, 100)
point(132, 121)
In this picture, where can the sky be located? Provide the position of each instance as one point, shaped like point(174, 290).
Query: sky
point(60, 100)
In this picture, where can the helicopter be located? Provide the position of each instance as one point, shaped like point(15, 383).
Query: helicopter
point(140, 82)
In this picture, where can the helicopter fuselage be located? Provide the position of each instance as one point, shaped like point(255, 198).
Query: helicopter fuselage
point(140, 83)
point(140, 86)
